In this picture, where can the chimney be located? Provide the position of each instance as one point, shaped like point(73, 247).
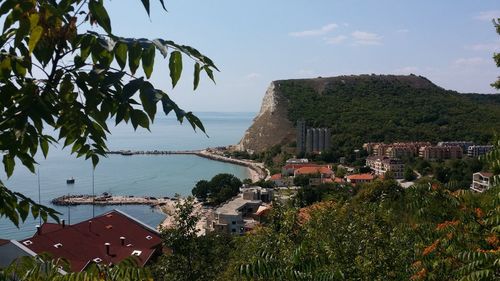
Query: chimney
point(63, 222)
point(122, 239)
point(38, 229)
point(107, 248)
point(90, 226)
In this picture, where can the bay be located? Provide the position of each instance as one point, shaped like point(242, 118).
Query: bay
point(139, 175)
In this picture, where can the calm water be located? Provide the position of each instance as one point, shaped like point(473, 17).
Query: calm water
point(155, 175)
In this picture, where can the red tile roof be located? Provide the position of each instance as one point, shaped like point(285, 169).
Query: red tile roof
point(361, 177)
point(276, 177)
point(3, 242)
point(486, 174)
point(83, 242)
point(313, 170)
point(298, 166)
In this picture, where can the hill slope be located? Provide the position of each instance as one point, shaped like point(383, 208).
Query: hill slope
point(372, 108)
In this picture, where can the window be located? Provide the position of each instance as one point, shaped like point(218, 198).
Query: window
point(58, 245)
point(27, 242)
point(149, 237)
point(233, 222)
point(233, 230)
point(136, 253)
point(97, 260)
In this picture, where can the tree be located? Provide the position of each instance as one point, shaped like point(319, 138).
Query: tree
point(409, 175)
point(496, 56)
point(86, 78)
point(193, 257)
point(219, 189)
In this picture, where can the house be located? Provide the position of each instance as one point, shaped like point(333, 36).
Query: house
point(239, 214)
point(289, 169)
point(278, 180)
point(381, 165)
point(322, 171)
point(10, 250)
point(481, 181)
point(360, 178)
point(108, 239)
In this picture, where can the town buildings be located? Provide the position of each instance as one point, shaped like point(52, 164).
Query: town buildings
point(463, 144)
point(440, 152)
point(108, 239)
point(394, 150)
point(481, 181)
point(240, 214)
point(478, 150)
point(383, 164)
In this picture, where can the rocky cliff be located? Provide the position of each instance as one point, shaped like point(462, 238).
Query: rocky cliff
point(271, 126)
point(362, 108)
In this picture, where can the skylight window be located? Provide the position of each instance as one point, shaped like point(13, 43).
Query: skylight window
point(97, 260)
point(149, 237)
point(27, 242)
point(136, 253)
point(58, 245)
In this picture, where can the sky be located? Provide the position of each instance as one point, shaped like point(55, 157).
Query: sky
point(253, 43)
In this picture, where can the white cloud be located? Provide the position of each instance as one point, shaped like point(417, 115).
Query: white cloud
point(366, 38)
point(315, 32)
point(335, 40)
point(406, 70)
point(252, 75)
point(490, 47)
point(488, 15)
point(469, 62)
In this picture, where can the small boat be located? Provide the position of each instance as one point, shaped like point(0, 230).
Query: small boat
point(70, 181)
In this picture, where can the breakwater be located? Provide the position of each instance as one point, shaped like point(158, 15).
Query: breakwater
point(258, 170)
point(154, 152)
point(74, 200)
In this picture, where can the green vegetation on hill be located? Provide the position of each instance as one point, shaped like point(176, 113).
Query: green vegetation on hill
point(385, 108)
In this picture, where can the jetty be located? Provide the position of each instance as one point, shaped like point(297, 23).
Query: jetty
point(257, 170)
point(73, 200)
point(153, 152)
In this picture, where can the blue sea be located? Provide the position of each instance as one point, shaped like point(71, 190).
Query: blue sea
point(146, 175)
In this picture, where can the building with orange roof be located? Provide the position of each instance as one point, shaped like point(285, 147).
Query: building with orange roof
point(324, 172)
point(360, 178)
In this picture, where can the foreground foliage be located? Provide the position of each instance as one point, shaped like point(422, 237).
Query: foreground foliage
point(54, 75)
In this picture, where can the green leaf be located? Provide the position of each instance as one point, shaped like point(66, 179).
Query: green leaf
point(149, 99)
point(95, 160)
point(161, 47)
point(35, 35)
point(44, 144)
point(196, 80)
point(134, 58)
point(209, 72)
point(139, 118)
point(100, 15)
point(131, 88)
point(8, 164)
point(121, 54)
point(175, 66)
point(148, 59)
point(146, 6)
point(195, 121)
point(23, 208)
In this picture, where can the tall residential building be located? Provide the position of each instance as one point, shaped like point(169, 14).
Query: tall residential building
point(463, 144)
point(381, 165)
point(440, 152)
point(478, 150)
point(317, 140)
point(301, 135)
